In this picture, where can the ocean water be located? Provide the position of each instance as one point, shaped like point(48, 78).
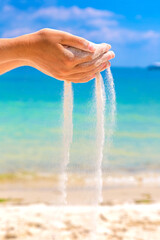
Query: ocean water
point(31, 123)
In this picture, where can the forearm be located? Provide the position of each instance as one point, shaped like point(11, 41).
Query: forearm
point(16, 52)
point(10, 49)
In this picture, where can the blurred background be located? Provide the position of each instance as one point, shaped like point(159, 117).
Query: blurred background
point(31, 128)
point(31, 104)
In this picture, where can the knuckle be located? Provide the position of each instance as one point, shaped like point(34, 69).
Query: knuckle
point(44, 35)
point(106, 46)
point(103, 44)
point(44, 31)
point(80, 40)
point(69, 60)
point(62, 39)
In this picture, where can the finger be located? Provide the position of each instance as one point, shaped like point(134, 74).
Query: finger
point(85, 74)
point(83, 56)
point(89, 66)
point(88, 77)
point(93, 74)
point(100, 50)
point(102, 58)
point(77, 42)
point(84, 80)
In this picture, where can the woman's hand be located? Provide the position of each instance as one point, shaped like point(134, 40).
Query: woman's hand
point(57, 54)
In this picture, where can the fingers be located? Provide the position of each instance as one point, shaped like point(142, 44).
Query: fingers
point(76, 74)
point(83, 80)
point(84, 77)
point(79, 56)
point(89, 66)
point(100, 50)
point(76, 42)
point(92, 72)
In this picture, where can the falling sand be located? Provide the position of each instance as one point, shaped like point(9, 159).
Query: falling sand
point(101, 97)
point(67, 138)
point(111, 107)
point(100, 137)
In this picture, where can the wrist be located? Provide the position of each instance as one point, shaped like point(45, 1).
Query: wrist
point(19, 48)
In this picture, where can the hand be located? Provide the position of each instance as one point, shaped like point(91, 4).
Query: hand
point(55, 53)
point(98, 61)
point(52, 54)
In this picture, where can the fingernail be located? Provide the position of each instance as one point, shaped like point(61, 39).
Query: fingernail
point(109, 46)
point(112, 54)
point(91, 46)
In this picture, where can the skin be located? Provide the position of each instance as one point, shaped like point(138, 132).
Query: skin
point(56, 54)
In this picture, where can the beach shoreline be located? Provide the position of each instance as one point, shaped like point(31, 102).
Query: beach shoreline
point(118, 188)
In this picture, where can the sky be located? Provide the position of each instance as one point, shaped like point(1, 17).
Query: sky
point(131, 27)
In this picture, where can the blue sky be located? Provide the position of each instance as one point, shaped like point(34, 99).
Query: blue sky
point(131, 27)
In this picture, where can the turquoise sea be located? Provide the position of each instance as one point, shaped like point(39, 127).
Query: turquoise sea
point(31, 122)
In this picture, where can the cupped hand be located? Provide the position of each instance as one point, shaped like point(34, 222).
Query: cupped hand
point(67, 57)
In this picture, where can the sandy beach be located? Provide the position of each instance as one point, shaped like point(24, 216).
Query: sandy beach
point(29, 208)
point(119, 222)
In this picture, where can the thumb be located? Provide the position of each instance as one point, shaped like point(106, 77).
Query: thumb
point(77, 42)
